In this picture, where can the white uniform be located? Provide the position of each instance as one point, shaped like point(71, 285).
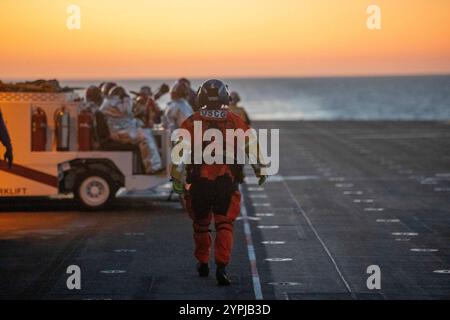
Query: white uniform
point(124, 128)
point(176, 112)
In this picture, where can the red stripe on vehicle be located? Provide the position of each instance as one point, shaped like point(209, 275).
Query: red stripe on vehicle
point(30, 174)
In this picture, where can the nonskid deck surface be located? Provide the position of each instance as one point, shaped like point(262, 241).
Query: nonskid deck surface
point(349, 195)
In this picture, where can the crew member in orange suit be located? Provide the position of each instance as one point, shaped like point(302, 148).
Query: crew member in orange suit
point(213, 189)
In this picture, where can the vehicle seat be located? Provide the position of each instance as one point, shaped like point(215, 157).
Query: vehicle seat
point(107, 144)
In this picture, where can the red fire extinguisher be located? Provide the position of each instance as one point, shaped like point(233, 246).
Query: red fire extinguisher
point(38, 130)
point(85, 130)
point(62, 129)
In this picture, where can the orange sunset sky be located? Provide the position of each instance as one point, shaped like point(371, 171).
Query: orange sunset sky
point(227, 38)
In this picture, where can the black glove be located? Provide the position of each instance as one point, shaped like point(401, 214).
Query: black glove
point(8, 156)
point(261, 180)
point(162, 91)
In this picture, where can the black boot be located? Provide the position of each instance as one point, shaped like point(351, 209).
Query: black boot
point(203, 269)
point(221, 276)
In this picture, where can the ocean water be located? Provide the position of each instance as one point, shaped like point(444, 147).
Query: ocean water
point(358, 98)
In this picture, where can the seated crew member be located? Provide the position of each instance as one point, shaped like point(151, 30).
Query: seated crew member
point(117, 108)
point(93, 98)
point(146, 108)
point(191, 95)
point(178, 109)
point(105, 87)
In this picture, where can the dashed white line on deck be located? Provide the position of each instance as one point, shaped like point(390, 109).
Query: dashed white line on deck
point(251, 253)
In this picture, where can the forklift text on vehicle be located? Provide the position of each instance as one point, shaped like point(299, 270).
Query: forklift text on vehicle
point(13, 191)
point(250, 144)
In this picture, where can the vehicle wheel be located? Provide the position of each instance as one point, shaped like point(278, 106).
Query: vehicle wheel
point(94, 190)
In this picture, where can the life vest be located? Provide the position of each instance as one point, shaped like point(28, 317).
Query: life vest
point(220, 119)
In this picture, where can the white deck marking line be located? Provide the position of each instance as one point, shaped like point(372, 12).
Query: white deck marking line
point(374, 209)
point(412, 234)
point(442, 271)
point(248, 218)
point(278, 259)
point(432, 182)
point(363, 200)
point(443, 175)
point(358, 193)
point(261, 204)
point(273, 242)
point(251, 252)
point(293, 178)
point(256, 196)
point(423, 250)
point(268, 227)
point(251, 181)
point(113, 271)
point(337, 179)
point(319, 239)
point(255, 189)
point(442, 189)
point(264, 214)
point(344, 185)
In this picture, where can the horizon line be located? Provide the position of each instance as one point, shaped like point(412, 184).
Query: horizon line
point(249, 77)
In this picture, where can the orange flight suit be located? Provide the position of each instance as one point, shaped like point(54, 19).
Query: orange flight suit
point(214, 190)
